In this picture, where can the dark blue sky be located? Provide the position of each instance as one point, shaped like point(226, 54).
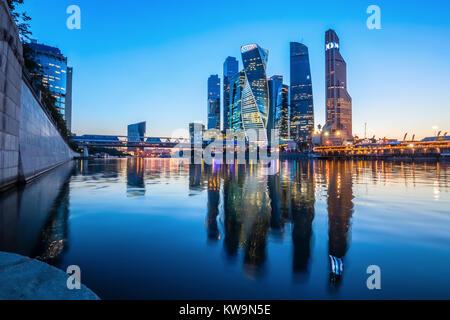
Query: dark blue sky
point(142, 60)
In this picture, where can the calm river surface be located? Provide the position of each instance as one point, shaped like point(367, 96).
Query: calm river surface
point(161, 228)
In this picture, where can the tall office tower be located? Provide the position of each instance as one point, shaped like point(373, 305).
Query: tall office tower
point(237, 83)
point(282, 111)
point(57, 77)
point(302, 106)
point(214, 102)
point(339, 102)
point(275, 85)
point(255, 96)
point(230, 68)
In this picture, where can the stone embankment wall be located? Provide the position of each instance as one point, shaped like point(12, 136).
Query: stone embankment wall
point(30, 144)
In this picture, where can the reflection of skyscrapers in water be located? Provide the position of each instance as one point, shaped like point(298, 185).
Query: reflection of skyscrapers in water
point(254, 203)
point(195, 177)
point(135, 177)
point(233, 197)
point(255, 220)
point(302, 214)
point(340, 210)
point(213, 204)
point(53, 241)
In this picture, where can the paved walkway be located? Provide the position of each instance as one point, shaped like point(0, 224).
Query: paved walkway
point(22, 278)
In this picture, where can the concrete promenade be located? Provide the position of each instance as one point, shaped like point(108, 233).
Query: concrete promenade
point(22, 278)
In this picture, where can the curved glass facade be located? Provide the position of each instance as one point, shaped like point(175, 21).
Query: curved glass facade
point(255, 96)
point(235, 100)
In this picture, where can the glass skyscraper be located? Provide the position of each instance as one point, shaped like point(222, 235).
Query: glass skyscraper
point(275, 84)
point(136, 133)
point(237, 83)
point(302, 106)
point(214, 102)
point(339, 102)
point(255, 95)
point(57, 77)
point(230, 68)
point(282, 112)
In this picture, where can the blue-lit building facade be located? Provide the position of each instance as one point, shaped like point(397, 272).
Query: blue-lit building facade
point(301, 104)
point(214, 102)
point(338, 101)
point(57, 77)
point(230, 68)
point(255, 95)
point(237, 83)
point(136, 133)
point(282, 113)
point(275, 85)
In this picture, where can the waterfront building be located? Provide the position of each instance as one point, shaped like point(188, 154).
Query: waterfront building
point(275, 85)
point(136, 133)
point(56, 76)
point(237, 83)
point(301, 106)
point(282, 112)
point(278, 107)
point(338, 101)
point(230, 68)
point(214, 102)
point(255, 95)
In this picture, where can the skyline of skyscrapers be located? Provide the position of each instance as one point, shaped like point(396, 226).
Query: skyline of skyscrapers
point(302, 105)
point(56, 76)
point(253, 101)
point(338, 101)
point(230, 68)
point(214, 102)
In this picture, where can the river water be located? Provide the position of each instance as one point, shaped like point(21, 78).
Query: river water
point(165, 229)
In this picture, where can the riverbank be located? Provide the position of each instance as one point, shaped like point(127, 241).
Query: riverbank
point(23, 278)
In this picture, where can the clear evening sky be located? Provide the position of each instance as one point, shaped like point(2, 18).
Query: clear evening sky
point(139, 60)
